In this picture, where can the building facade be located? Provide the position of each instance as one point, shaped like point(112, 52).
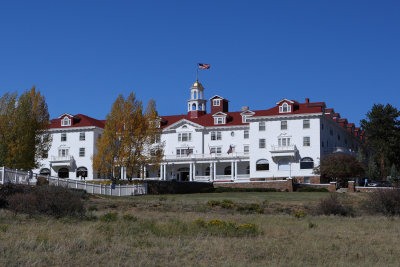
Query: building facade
point(285, 141)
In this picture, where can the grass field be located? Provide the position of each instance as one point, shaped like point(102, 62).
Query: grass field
point(161, 231)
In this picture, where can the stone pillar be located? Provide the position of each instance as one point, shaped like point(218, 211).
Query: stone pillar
point(236, 170)
point(191, 172)
point(351, 187)
point(332, 187)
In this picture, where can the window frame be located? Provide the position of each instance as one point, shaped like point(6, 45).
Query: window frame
point(262, 143)
point(262, 166)
point(246, 134)
point(216, 136)
point(188, 137)
point(216, 102)
point(82, 152)
point(306, 124)
point(261, 126)
point(284, 125)
point(63, 137)
point(66, 121)
point(307, 141)
point(82, 136)
point(219, 120)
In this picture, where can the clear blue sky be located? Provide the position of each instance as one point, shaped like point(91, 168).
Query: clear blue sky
point(82, 54)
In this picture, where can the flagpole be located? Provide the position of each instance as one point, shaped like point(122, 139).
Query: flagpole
point(197, 72)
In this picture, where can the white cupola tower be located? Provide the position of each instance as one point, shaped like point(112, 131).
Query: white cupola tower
point(196, 103)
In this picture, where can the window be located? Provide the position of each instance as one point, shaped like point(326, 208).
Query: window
point(246, 134)
point(216, 102)
point(183, 152)
point(216, 150)
point(261, 126)
point(81, 172)
point(283, 125)
point(306, 141)
point(306, 124)
point(63, 137)
point(65, 122)
point(306, 163)
point(248, 169)
point(261, 143)
point(228, 170)
point(63, 173)
point(184, 137)
point(232, 134)
point(284, 164)
point(284, 141)
point(285, 108)
point(246, 149)
point(81, 152)
point(81, 136)
point(244, 118)
point(338, 137)
point(45, 171)
point(207, 172)
point(306, 180)
point(216, 136)
point(219, 120)
point(63, 152)
point(262, 165)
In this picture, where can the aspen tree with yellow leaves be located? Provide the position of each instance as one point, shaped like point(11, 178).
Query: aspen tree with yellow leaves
point(24, 139)
point(130, 140)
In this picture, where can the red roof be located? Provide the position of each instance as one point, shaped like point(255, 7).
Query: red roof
point(78, 120)
point(207, 120)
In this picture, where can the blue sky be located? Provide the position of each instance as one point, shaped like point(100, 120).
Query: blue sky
point(82, 54)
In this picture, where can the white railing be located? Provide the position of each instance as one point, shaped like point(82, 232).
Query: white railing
point(207, 156)
point(65, 158)
point(202, 178)
point(283, 148)
point(243, 176)
point(340, 150)
point(223, 177)
point(21, 177)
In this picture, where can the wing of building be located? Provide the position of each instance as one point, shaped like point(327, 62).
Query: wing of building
point(285, 141)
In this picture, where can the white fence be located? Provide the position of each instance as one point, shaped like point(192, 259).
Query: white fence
point(20, 177)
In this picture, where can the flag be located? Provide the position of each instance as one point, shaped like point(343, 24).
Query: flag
point(204, 66)
point(210, 149)
point(230, 150)
point(188, 152)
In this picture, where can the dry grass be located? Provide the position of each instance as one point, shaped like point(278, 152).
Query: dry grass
point(161, 232)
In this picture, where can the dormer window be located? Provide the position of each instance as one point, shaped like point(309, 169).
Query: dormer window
point(285, 108)
point(219, 120)
point(66, 121)
point(216, 102)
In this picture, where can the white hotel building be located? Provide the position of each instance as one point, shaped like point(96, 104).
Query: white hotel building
point(285, 141)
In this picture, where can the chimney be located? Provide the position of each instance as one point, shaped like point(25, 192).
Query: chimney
point(307, 100)
point(245, 108)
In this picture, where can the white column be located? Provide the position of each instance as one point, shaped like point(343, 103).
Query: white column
point(194, 171)
point(144, 172)
point(191, 172)
point(165, 172)
point(122, 173)
point(161, 171)
point(211, 171)
point(215, 170)
point(232, 170)
point(236, 170)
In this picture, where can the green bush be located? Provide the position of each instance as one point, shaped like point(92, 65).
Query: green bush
point(213, 203)
point(109, 217)
point(385, 201)
point(250, 208)
point(47, 200)
point(129, 217)
point(313, 189)
point(333, 206)
point(219, 227)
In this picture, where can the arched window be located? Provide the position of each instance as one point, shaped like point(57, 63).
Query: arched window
point(193, 106)
point(207, 172)
point(306, 163)
point(45, 171)
point(200, 106)
point(228, 170)
point(81, 172)
point(284, 164)
point(63, 173)
point(284, 108)
point(262, 165)
point(248, 169)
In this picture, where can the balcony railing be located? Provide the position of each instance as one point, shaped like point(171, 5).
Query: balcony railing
point(340, 150)
point(207, 156)
point(65, 158)
point(283, 148)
